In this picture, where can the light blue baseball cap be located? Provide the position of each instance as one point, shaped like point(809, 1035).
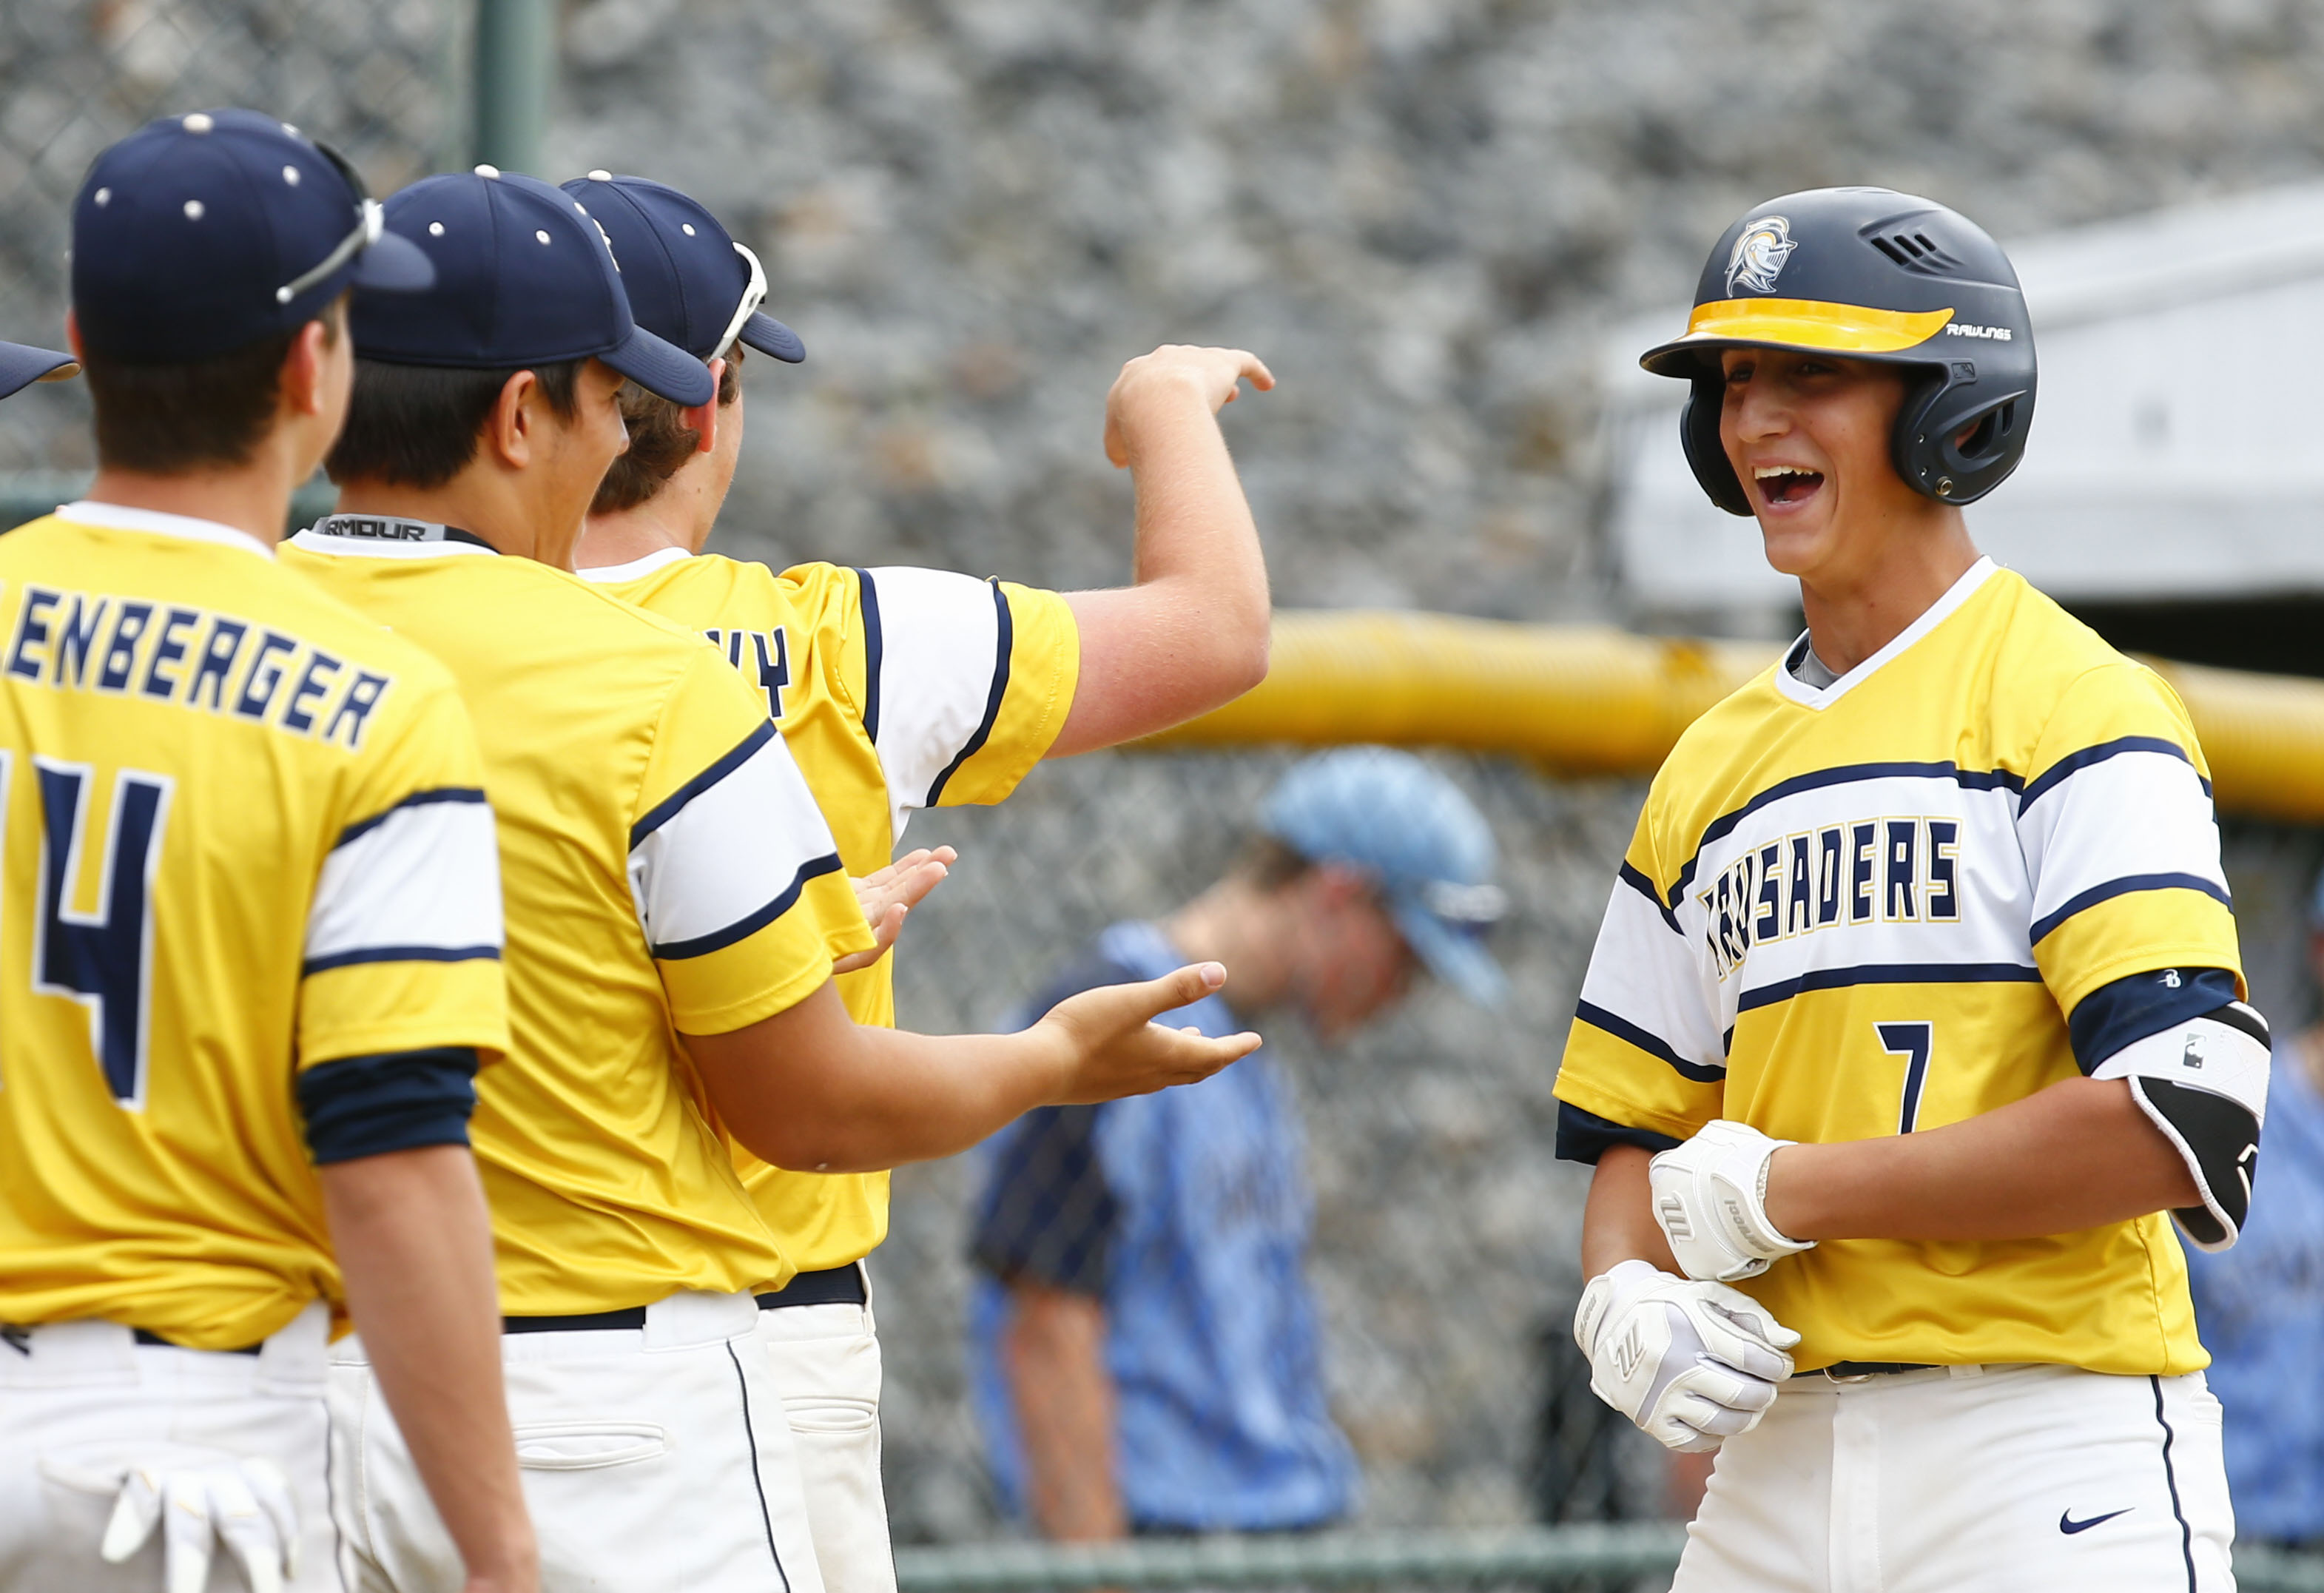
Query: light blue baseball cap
point(1391, 816)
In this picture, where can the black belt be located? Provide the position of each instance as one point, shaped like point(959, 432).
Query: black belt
point(143, 1337)
point(1867, 1369)
point(598, 1321)
point(833, 1286)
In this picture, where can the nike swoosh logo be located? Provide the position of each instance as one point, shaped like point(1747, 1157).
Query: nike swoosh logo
point(2068, 1525)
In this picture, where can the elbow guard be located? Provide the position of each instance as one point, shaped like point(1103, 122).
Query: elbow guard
point(2203, 1082)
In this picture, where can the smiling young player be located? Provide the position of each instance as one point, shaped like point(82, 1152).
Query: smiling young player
point(1917, 1004)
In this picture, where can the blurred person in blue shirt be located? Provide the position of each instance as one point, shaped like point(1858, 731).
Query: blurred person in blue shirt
point(1145, 1349)
point(2260, 1306)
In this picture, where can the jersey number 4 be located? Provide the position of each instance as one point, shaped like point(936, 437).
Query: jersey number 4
point(1911, 1041)
point(102, 958)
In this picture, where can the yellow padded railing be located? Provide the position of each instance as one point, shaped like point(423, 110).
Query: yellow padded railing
point(1589, 701)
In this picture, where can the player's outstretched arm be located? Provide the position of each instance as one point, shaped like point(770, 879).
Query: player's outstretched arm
point(1190, 632)
point(414, 1242)
point(811, 1090)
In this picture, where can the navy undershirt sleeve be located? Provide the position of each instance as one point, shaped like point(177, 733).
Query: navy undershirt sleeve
point(2132, 1008)
point(1584, 1137)
point(368, 1106)
point(1047, 1213)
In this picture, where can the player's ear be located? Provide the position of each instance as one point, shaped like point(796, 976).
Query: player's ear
point(703, 417)
point(509, 428)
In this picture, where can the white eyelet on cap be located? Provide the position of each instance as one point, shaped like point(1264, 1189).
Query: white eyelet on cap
point(291, 175)
point(104, 196)
point(542, 237)
point(193, 209)
point(601, 175)
point(435, 229)
point(199, 121)
point(484, 170)
point(687, 227)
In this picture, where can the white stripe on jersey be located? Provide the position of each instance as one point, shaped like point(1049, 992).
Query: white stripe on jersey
point(1646, 984)
point(421, 882)
point(726, 854)
point(2128, 816)
point(940, 669)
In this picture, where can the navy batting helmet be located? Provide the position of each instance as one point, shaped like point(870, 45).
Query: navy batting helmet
point(1872, 274)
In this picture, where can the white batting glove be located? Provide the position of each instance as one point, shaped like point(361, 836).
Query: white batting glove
point(245, 1501)
point(1692, 1364)
point(1711, 1199)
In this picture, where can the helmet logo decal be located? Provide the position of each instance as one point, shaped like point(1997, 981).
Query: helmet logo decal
point(1759, 256)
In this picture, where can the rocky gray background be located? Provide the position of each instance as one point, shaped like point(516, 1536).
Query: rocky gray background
point(1422, 212)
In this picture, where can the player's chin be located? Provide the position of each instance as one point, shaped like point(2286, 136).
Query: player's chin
point(1795, 542)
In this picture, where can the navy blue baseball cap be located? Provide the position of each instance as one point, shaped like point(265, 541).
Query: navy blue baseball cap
point(1423, 843)
point(689, 280)
point(21, 367)
point(204, 233)
point(523, 277)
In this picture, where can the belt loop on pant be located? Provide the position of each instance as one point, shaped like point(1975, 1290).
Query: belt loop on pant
point(833, 1286)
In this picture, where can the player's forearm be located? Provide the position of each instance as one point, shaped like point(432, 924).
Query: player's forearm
point(414, 1242)
point(1055, 1351)
point(812, 1091)
point(1617, 1224)
point(1192, 631)
point(2075, 1156)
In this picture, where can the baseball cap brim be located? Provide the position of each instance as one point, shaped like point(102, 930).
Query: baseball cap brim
point(770, 336)
point(1454, 955)
point(21, 367)
point(662, 369)
point(393, 263)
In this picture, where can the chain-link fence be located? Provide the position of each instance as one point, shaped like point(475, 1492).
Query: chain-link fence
point(377, 78)
point(1445, 1235)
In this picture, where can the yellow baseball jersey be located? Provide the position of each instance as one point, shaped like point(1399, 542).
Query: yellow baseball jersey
point(666, 872)
point(244, 842)
point(1870, 909)
point(896, 689)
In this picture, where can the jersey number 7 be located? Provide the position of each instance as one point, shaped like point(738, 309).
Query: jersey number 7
point(104, 959)
point(1911, 1041)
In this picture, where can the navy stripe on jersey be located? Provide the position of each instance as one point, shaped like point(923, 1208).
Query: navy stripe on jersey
point(1998, 779)
point(1646, 888)
point(1005, 639)
point(369, 1106)
point(417, 800)
point(2048, 779)
point(2137, 1005)
point(1653, 1044)
point(672, 804)
point(398, 954)
point(750, 923)
point(1584, 1137)
point(2127, 885)
point(1840, 979)
point(874, 646)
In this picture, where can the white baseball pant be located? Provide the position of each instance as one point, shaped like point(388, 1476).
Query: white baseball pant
point(654, 1461)
point(81, 1403)
point(2005, 1479)
point(825, 1361)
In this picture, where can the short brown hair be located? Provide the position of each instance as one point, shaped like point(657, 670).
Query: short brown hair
point(660, 442)
point(1266, 864)
point(159, 419)
point(416, 426)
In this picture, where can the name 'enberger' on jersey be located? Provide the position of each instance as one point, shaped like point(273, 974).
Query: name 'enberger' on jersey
point(1884, 868)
